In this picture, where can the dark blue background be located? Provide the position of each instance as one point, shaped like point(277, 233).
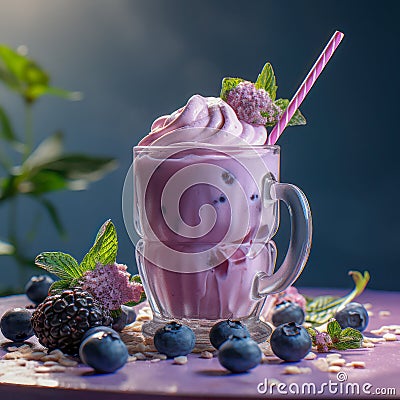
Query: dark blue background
point(135, 60)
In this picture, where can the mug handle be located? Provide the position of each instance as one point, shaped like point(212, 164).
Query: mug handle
point(300, 238)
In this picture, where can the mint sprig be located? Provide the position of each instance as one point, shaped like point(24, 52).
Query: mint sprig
point(321, 309)
point(66, 267)
point(335, 338)
point(266, 80)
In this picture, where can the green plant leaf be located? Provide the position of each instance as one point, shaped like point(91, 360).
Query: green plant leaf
point(313, 333)
point(348, 342)
point(60, 285)
point(60, 264)
point(322, 308)
point(53, 214)
point(82, 167)
point(25, 76)
point(352, 333)
point(48, 151)
point(266, 80)
point(42, 182)
point(227, 85)
point(297, 119)
point(334, 330)
point(104, 249)
point(6, 130)
point(6, 248)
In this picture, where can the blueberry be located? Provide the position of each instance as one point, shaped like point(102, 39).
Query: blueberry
point(290, 342)
point(174, 340)
point(16, 324)
point(38, 287)
point(222, 330)
point(96, 329)
point(354, 315)
point(239, 354)
point(287, 312)
point(126, 317)
point(103, 351)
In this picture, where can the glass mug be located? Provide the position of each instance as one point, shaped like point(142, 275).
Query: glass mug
point(206, 215)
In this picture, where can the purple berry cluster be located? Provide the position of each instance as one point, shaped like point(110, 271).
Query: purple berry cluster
point(252, 105)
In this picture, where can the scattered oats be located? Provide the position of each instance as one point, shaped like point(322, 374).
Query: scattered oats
point(272, 360)
point(47, 382)
point(12, 348)
point(155, 360)
point(50, 363)
point(333, 356)
point(58, 353)
point(12, 356)
point(310, 356)
point(384, 313)
point(181, 360)
point(367, 306)
point(322, 364)
point(268, 351)
point(50, 358)
point(367, 345)
point(307, 325)
point(349, 364)
point(390, 337)
point(36, 355)
point(370, 313)
point(141, 347)
point(358, 364)
point(376, 332)
point(206, 354)
point(393, 327)
point(25, 348)
point(334, 369)
point(143, 317)
point(397, 332)
point(161, 356)
point(131, 359)
point(140, 356)
point(42, 369)
point(66, 362)
point(136, 327)
point(21, 362)
point(340, 362)
point(293, 370)
point(376, 340)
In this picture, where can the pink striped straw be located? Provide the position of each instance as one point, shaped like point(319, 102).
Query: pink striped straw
point(305, 87)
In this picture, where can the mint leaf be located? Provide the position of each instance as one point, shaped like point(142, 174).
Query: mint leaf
point(322, 308)
point(227, 85)
point(266, 80)
point(297, 119)
point(313, 333)
point(60, 285)
point(347, 342)
point(104, 249)
point(334, 330)
point(60, 264)
point(352, 333)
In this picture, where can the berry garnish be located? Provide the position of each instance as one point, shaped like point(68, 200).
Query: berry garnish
point(96, 329)
point(174, 340)
point(103, 351)
point(125, 317)
point(239, 354)
point(37, 288)
point(222, 330)
point(353, 315)
point(290, 342)
point(287, 312)
point(62, 319)
point(15, 324)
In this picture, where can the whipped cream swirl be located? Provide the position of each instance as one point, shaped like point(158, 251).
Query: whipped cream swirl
point(215, 121)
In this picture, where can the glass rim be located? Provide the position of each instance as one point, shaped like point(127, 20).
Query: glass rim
point(187, 145)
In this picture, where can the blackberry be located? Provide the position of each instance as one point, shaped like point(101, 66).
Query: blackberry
point(62, 319)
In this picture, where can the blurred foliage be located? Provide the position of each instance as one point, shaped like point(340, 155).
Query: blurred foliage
point(42, 169)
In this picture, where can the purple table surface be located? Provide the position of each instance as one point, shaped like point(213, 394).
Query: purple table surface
point(206, 379)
